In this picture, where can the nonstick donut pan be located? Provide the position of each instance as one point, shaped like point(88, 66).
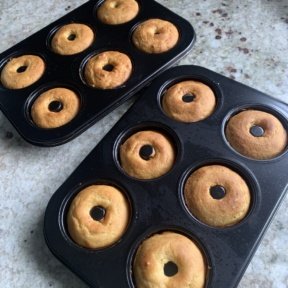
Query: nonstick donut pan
point(157, 204)
point(67, 71)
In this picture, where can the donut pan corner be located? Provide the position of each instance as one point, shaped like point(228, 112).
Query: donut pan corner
point(157, 204)
point(67, 71)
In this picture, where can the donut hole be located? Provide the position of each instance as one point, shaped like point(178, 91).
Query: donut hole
point(188, 97)
point(55, 106)
point(157, 30)
point(22, 68)
point(146, 152)
point(97, 213)
point(71, 37)
point(115, 5)
point(108, 67)
point(217, 192)
point(170, 269)
point(257, 131)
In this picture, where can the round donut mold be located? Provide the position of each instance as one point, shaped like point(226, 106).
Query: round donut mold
point(145, 126)
point(265, 108)
point(243, 171)
point(35, 94)
point(65, 205)
point(18, 54)
point(96, 52)
point(167, 228)
point(214, 86)
point(97, 5)
point(134, 27)
point(53, 31)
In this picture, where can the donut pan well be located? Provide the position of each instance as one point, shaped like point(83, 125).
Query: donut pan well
point(67, 71)
point(157, 204)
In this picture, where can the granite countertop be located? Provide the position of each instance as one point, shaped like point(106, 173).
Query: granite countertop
point(244, 40)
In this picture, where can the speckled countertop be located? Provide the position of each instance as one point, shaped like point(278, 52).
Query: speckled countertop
point(244, 40)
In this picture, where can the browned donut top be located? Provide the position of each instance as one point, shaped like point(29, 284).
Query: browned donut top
point(72, 38)
point(240, 133)
point(200, 193)
point(22, 71)
point(89, 230)
point(158, 162)
point(108, 70)
point(163, 249)
point(155, 36)
point(189, 101)
point(55, 107)
point(116, 12)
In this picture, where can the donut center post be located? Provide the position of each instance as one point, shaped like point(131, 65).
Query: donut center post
point(71, 37)
point(22, 69)
point(170, 269)
point(97, 213)
point(217, 192)
point(146, 152)
point(108, 67)
point(55, 106)
point(188, 97)
point(257, 131)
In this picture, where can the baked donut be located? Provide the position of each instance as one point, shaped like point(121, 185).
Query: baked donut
point(22, 71)
point(55, 107)
point(169, 248)
point(72, 38)
point(155, 36)
point(189, 101)
point(98, 216)
point(108, 70)
point(116, 12)
point(217, 196)
point(147, 155)
point(256, 134)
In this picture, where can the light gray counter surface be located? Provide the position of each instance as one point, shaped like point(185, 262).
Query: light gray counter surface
point(244, 40)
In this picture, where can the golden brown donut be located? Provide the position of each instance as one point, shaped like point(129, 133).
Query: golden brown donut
point(158, 162)
point(155, 36)
point(71, 39)
point(55, 107)
point(189, 101)
point(228, 209)
point(160, 249)
point(108, 70)
point(22, 71)
point(272, 143)
point(115, 12)
point(90, 232)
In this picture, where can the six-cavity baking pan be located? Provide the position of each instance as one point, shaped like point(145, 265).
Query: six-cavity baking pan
point(67, 71)
point(157, 205)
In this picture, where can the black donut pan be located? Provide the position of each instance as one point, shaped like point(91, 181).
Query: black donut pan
point(66, 71)
point(157, 204)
